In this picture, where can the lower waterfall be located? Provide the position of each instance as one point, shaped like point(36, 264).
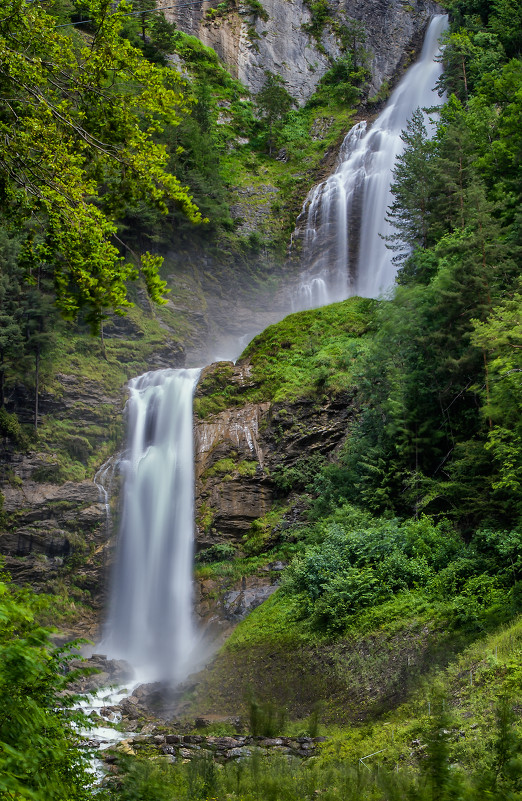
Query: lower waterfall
point(150, 622)
point(344, 217)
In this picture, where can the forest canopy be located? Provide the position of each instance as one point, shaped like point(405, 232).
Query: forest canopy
point(79, 117)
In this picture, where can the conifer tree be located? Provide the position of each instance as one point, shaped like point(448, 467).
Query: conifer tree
point(412, 188)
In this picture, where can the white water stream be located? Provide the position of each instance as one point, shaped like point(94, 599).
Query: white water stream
point(345, 216)
point(150, 621)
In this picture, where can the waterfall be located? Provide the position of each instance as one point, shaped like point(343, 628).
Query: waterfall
point(150, 610)
point(345, 216)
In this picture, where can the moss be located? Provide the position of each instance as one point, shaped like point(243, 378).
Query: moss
point(205, 517)
point(214, 391)
point(311, 353)
point(262, 533)
point(229, 466)
point(235, 569)
point(58, 469)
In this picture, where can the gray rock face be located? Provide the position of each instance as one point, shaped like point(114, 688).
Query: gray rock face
point(238, 449)
point(250, 45)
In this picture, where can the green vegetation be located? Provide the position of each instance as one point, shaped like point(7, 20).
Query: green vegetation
point(440, 380)
point(400, 606)
point(76, 149)
point(282, 780)
point(310, 353)
point(361, 562)
point(39, 757)
point(263, 534)
point(229, 466)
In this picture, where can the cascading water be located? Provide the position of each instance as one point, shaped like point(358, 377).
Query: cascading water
point(345, 216)
point(150, 611)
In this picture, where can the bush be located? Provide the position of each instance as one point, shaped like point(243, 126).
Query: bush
point(10, 427)
point(216, 553)
point(362, 561)
point(39, 757)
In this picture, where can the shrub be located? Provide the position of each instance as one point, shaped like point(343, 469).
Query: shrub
point(220, 552)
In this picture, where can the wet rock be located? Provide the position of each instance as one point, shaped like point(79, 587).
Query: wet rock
point(238, 603)
point(102, 672)
point(129, 708)
point(234, 753)
point(222, 743)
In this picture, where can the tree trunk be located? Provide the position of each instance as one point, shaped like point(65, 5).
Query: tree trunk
point(36, 387)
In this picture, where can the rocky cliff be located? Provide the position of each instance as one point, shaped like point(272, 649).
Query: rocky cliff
point(263, 428)
point(54, 527)
point(243, 452)
point(286, 38)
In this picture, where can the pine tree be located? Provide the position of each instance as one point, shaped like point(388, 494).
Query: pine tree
point(412, 189)
point(274, 102)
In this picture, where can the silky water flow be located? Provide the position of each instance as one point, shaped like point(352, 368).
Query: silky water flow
point(344, 217)
point(150, 621)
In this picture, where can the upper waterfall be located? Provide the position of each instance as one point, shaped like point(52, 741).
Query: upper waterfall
point(345, 216)
point(150, 611)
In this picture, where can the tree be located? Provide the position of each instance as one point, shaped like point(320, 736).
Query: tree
point(11, 322)
point(274, 102)
point(77, 125)
point(458, 50)
point(500, 336)
point(412, 189)
point(353, 40)
point(506, 22)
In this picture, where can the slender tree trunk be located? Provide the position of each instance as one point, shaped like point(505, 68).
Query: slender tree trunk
point(36, 386)
point(102, 340)
point(465, 79)
point(461, 185)
point(486, 371)
point(484, 265)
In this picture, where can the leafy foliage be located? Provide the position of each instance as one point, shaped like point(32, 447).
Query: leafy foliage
point(78, 146)
point(39, 757)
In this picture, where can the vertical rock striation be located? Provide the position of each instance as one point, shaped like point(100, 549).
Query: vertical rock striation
point(249, 44)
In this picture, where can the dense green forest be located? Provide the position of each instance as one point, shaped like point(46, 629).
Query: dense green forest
point(107, 153)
